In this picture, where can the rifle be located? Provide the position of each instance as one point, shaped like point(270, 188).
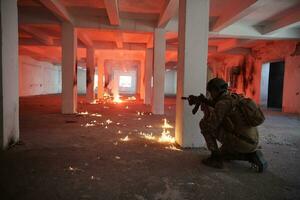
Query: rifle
point(197, 101)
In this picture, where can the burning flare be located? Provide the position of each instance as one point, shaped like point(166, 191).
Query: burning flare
point(166, 137)
point(117, 98)
point(147, 136)
point(166, 124)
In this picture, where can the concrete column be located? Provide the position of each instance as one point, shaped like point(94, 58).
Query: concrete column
point(100, 79)
point(148, 76)
point(192, 68)
point(90, 73)
point(159, 72)
point(9, 77)
point(69, 69)
point(142, 80)
point(138, 82)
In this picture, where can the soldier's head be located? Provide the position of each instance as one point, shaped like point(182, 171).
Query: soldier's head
point(216, 86)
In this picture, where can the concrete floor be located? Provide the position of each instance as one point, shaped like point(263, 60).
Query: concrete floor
point(59, 158)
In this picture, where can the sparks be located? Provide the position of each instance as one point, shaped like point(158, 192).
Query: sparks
point(96, 115)
point(125, 139)
point(131, 98)
point(83, 113)
point(108, 121)
point(166, 124)
point(117, 98)
point(94, 102)
point(173, 148)
point(166, 137)
point(89, 124)
point(147, 136)
point(106, 95)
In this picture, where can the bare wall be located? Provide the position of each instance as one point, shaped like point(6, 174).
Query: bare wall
point(37, 78)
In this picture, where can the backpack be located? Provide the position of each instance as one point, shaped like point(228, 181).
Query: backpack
point(250, 111)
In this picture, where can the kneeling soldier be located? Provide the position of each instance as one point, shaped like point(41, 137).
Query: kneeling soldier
point(225, 121)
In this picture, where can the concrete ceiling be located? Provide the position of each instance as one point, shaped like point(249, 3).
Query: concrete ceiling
point(115, 25)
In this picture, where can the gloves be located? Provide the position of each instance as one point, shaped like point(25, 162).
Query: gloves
point(192, 100)
point(196, 99)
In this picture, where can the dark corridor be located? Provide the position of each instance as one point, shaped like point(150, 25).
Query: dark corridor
point(275, 90)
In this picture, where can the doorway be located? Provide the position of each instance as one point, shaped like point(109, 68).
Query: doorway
point(272, 77)
point(275, 90)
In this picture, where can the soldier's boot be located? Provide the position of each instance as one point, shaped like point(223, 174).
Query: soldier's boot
point(215, 160)
point(258, 161)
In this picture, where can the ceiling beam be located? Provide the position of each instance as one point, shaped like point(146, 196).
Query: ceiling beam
point(58, 9)
point(84, 39)
point(169, 11)
point(212, 49)
point(235, 11)
point(238, 51)
point(38, 34)
point(172, 40)
point(284, 19)
point(38, 53)
point(119, 39)
point(112, 9)
point(231, 44)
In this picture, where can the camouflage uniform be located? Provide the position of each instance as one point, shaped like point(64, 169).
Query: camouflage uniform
point(240, 138)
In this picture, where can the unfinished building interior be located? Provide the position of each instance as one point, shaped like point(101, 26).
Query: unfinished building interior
point(90, 97)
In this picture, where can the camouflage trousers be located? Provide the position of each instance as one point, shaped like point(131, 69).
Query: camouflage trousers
point(231, 143)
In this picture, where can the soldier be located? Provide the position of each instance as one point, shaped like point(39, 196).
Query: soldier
point(224, 123)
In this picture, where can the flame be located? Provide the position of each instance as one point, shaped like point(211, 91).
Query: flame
point(117, 98)
point(108, 121)
point(106, 95)
point(166, 124)
point(94, 102)
point(89, 124)
point(166, 137)
point(147, 136)
point(131, 98)
point(96, 115)
point(173, 148)
point(83, 113)
point(125, 139)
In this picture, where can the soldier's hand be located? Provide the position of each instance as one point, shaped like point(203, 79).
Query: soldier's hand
point(201, 98)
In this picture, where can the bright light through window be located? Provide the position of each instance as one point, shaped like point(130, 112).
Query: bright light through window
point(125, 81)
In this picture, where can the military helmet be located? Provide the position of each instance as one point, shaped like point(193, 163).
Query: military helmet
point(217, 84)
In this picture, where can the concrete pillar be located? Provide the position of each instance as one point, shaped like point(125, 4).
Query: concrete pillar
point(159, 71)
point(192, 68)
point(142, 80)
point(90, 73)
point(69, 69)
point(138, 82)
point(9, 77)
point(148, 76)
point(100, 65)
